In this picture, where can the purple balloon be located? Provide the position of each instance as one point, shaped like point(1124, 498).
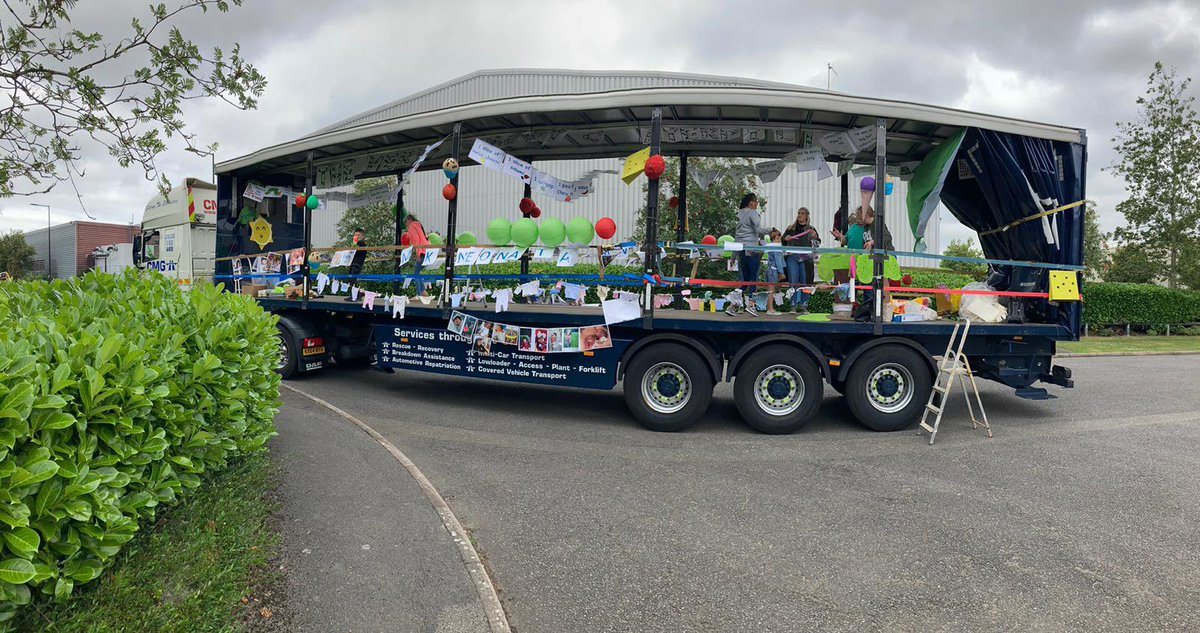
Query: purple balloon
point(867, 184)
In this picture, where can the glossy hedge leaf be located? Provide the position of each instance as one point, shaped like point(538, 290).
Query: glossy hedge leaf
point(22, 541)
point(17, 571)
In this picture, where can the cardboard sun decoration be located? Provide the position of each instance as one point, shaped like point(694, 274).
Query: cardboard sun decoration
point(260, 232)
point(1064, 285)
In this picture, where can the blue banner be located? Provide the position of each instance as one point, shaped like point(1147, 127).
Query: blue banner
point(443, 352)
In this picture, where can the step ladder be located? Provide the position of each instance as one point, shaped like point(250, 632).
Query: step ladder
point(953, 366)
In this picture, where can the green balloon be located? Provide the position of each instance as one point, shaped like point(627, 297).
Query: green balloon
point(313, 202)
point(721, 242)
point(435, 239)
point(524, 232)
point(466, 238)
point(580, 231)
point(499, 232)
point(553, 231)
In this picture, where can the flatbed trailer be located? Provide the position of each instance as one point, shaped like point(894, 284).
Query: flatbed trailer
point(669, 360)
point(886, 378)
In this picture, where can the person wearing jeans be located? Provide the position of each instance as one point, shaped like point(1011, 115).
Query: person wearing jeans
point(748, 232)
point(801, 234)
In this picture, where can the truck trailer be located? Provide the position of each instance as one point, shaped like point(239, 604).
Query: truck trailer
point(1020, 185)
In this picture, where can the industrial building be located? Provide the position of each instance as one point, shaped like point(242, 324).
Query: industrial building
point(71, 245)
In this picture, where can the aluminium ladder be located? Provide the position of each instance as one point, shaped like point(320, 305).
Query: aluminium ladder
point(954, 365)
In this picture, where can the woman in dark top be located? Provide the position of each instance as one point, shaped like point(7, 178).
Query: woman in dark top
point(799, 265)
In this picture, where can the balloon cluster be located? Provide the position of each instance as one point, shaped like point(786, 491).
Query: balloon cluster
point(312, 202)
point(529, 208)
point(450, 168)
point(552, 232)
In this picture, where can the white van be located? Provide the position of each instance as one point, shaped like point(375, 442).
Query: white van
point(179, 234)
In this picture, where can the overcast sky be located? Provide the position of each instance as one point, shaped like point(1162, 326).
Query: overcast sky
point(1080, 63)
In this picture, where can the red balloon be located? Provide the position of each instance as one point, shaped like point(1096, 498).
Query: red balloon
point(301, 199)
point(526, 205)
point(606, 228)
point(535, 213)
point(709, 240)
point(449, 192)
point(673, 202)
point(655, 166)
point(906, 280)
point(404, 241)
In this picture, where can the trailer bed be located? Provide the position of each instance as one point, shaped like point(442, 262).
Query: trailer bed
point(666, 319)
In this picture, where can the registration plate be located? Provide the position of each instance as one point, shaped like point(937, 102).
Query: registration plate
point(313, 351)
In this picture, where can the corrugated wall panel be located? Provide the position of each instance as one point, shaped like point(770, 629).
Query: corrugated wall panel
point(62, 247)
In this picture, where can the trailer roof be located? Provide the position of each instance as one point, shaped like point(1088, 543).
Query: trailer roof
point(558, 114)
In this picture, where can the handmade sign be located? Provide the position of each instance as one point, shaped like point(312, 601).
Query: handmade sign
point(260, 232)
point(255, 192)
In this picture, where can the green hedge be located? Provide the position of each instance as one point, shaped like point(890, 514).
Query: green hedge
point(116, 395)
point(1138, 304)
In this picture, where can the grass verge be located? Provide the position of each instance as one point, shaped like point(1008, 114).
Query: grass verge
point(1131, 344)
point(203, 566)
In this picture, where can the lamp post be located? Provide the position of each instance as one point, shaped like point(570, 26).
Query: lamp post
point(49, 270)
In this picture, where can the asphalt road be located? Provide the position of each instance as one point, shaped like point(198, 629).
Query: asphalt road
point(1083, 513)
point(362, 548)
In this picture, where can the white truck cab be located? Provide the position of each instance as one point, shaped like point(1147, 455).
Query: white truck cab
point(179, 234)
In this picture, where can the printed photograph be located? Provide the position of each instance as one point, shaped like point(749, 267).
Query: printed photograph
point(483, 329)
point(595, 337)
point(570, 339)
point(556, 340)
point(511, 334)
point(482, 345)
point(468, 326)
point(541, 344)
point(455, 325)
point(526, 339)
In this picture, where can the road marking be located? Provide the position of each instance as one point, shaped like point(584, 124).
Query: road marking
point(493, 611)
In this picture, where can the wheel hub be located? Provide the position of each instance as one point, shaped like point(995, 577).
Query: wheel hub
point(890, 387)
point(666, 388)
point(779, 390)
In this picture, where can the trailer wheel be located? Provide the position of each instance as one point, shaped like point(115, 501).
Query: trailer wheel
point(887, 387)
point(287, 353)
point(667, 387)
point(778, 389)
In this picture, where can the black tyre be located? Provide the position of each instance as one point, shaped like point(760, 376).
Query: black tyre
point(667, 387)
point(887, 387)
point(778, 389)
point(288, 359)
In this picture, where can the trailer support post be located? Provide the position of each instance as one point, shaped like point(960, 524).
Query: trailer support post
point(880, 208)
point(399, 234)
point(651, 243)
point(308, 191)
point(526, 193)
point(681, 218)
point(451, 224)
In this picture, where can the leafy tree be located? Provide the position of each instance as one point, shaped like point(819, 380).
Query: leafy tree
point(964, 248)
point(377, 220)
point(1095, 245)
point(1189, 271)
point(1131, 263)
point(16, 255)
point(63, 84)
point(712, 212)
point(1160, 162)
